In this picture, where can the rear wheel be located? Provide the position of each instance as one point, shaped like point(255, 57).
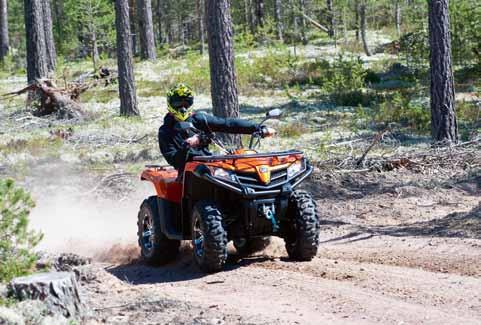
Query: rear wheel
point(209, 237)
point(247, 247)
point(155, 247)
point(302, 238)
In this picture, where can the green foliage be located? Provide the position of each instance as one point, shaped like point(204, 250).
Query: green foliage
point(16, 241)
point(344, 80)
point(397, 108)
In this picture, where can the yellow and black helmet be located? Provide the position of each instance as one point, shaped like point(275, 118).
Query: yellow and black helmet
point(179, 101)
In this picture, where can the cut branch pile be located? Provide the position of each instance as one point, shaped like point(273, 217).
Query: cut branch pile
point(447, 159)
point(47, 98)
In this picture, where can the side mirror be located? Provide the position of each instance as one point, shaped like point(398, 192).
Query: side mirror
point(274, 113)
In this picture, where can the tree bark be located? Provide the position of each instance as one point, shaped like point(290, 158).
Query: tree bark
point(332, 19)
point(35, 38)
point(58, 290)
point(49, 39)
point(4, 41)
point(278, 18)
point(159, 14)
point(362, 13)
point(357, 9)
point(146, 29)
point(443, 117)
point(397, 16)
point(260, 13)
point(295, 18)
point(221, 57)
point(128, 96)
point(133, 26)
point(200, 20)
point(302, 8)
point(95, 48)
point(253, 8)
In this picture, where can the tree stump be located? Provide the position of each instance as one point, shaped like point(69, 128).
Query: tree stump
point(58, 290)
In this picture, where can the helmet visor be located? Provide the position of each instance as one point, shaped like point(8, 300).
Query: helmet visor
point(181, 102)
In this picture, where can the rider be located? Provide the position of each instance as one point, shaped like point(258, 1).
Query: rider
point(176, 146)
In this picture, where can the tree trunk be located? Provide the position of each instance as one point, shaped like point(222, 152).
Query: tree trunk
point(159, 13)
point(200, 20)
point(36, 51)
point(278, 17)
point(49, 40)
point(302, 8)
point(247, 11)
point(357, 9)
point(397, 14)
point(252, 6)
point(146, 29)
point(260, 13)
point(128, 97)
point(59, 17)
point(58, 290)
point(362, 13)
point(4, 42)
point(443, 117)
point(95, 48)
point(295, 18)
point(221, 57)
point(332, 19)
point(133, 26)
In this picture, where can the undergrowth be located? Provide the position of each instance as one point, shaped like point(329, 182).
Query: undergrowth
point(16, 241)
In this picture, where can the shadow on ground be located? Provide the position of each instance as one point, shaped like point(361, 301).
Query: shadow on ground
point(182, 269)
point(454, 225)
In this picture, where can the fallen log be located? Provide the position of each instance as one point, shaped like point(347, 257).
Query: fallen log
point(47, 98)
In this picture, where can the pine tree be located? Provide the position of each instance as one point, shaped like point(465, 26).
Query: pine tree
point(49, 40)
point(4, 41)
point(128, 96)
point(146, 29)
point(221, 57)
point(443, 117)
point(35, 37)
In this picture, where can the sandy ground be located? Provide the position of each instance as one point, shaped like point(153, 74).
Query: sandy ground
point(396, 249)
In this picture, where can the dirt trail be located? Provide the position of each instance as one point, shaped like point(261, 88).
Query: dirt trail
point(396, 253)
point(396, 248)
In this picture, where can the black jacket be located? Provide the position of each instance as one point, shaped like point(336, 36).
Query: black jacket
point(175, 149)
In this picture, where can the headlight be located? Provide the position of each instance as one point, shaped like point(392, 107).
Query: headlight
point(222, 173)
point(295, 168)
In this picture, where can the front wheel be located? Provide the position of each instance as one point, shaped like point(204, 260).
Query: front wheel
point(302, 238)
point(209, 238)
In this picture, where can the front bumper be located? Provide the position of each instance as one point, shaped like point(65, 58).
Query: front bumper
point(248, 192)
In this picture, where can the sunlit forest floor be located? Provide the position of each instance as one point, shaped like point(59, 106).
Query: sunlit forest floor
point(398, 226)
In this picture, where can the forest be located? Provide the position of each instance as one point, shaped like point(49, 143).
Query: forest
point(381, 98)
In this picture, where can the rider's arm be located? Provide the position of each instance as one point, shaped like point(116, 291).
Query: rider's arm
point(174, 156)
point(212, 123)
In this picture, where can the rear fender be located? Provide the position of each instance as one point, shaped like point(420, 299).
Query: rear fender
point(164, 181)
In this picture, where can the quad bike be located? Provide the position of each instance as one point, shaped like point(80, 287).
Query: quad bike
point(243, 196)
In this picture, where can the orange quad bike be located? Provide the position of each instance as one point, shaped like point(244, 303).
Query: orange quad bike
point(243, 196)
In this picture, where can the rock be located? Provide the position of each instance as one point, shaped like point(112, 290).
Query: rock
point(67, 261)
point(10, 317)
point(58, 290)
point(3, 291)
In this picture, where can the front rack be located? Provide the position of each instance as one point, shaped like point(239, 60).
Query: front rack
point(257, 155)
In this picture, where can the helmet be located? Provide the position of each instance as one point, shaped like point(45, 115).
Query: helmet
point(179, 100)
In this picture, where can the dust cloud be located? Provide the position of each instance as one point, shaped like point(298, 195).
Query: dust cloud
point(89, 224)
